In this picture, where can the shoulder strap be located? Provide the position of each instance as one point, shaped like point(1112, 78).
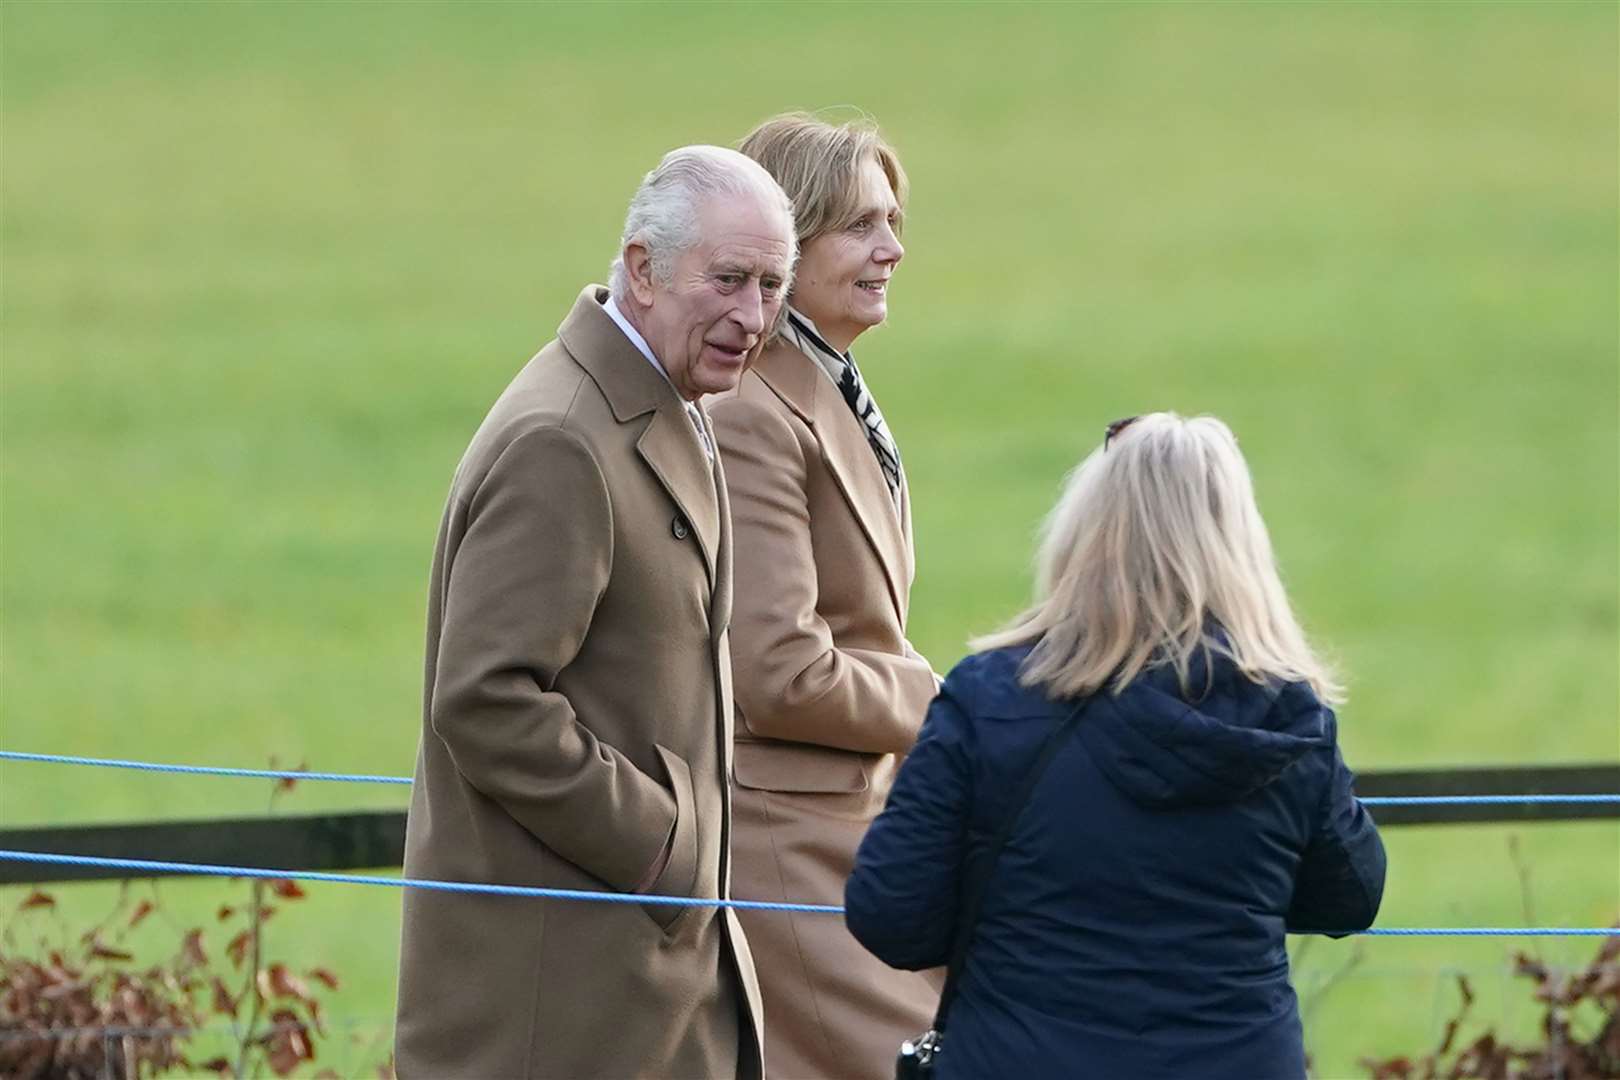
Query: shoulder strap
point(968, 918)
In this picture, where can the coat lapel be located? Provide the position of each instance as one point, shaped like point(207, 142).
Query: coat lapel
point(909, 544)
point(669, 448)
point(720, 611)
point(844, 450)
point(667, 443)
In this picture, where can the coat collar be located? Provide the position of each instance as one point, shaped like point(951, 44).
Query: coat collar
point(806, 389)
point(588, 333)
point(633, 388)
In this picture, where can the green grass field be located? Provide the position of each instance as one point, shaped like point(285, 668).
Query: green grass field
point(265, 267)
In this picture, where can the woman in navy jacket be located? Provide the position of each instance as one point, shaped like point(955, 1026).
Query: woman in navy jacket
point(1134, 923)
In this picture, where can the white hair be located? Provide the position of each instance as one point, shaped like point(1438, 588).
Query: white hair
point(663, 214)
point(1155, 550)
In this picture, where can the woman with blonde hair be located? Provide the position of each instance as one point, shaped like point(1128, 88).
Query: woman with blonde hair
point(829, 692)
point(1123, 801)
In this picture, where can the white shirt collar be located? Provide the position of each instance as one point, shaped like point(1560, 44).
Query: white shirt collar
point(634, 335)
point(692, 411)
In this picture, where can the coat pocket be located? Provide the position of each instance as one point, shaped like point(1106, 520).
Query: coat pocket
point(799, 767)
point(680, 872)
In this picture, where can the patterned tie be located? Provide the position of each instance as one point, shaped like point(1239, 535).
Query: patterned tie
point(871, 417)
point(696, 417)
point(860, 401)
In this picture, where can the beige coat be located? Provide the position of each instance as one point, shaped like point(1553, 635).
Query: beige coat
point(577, 716)
point(829, 695)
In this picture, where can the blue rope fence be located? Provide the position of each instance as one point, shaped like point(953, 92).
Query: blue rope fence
point(368, 778)
point(1485, 800)
point(206, 869)
point(203, 770)
point(215, 870)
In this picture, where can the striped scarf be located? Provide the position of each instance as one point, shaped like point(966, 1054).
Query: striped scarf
point(840, 367)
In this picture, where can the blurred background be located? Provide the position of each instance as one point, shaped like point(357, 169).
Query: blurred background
point(266, 266)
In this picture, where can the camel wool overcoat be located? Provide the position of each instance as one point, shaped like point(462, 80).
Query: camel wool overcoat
point(830, 696)
point(577, 720)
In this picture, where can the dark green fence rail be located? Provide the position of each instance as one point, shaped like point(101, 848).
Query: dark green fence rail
point(372, 840)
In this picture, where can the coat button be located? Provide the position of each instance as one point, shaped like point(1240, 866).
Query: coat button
point(678, 527)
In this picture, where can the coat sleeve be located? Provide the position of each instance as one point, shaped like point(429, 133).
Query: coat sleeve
point(901, 900)
point(519, 596)
point(793, 681)
point(1340, 882)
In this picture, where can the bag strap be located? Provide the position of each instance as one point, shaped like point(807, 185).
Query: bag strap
point(966, 922)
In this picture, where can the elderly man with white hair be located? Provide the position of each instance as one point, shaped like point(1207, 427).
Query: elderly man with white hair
point(578, 716)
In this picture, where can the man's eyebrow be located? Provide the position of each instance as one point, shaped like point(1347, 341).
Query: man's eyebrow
point(732, 266)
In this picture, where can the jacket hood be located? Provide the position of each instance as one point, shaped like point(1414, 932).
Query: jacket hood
point(1161, 750)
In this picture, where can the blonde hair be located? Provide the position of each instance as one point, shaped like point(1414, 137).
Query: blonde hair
point(818, 164)
point(1155, 550)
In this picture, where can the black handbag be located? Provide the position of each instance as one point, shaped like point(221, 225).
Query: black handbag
point(919, 1056)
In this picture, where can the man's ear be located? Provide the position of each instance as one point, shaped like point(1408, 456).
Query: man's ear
point(639, 269)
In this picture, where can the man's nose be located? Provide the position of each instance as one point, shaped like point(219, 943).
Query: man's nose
point(750, 311)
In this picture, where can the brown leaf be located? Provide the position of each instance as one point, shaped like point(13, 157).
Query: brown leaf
point(1486, 1059)
point(142, 910)
point(102, 952)
point(288, 1042)
point(1611, 948)
point(238, 947)
point(1608, 1040)
point(37, 899)
point(192, 951)
point(223, 1002)
point(323, 976)
point(1554, 990)
point(277, 981)
point(287, 783)
point(286, 888)
point(1529, 966)
point(1396, 1068)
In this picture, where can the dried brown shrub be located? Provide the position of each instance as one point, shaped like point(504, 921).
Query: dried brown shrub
point(1579, 1032)
point(87, 1010)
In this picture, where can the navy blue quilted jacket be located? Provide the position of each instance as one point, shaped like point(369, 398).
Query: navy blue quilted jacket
point(1134, 924)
